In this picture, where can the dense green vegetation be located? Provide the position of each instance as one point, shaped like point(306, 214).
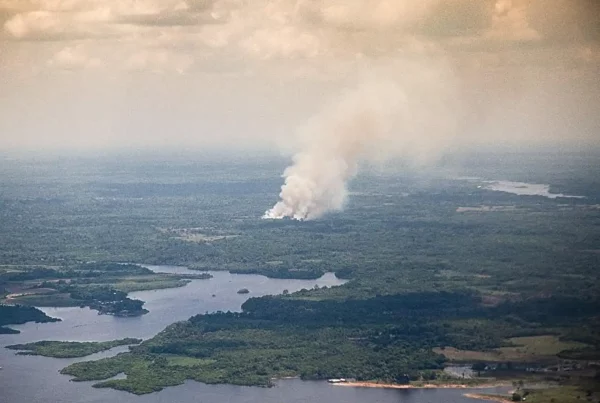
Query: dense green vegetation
point(69, 349)
point(309, 273)
point(102, 286)
point(18, 314)
point(573, 391)
point(379, 338)
point(433, 262)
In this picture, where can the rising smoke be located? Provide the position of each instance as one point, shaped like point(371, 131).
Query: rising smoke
point(407, 110)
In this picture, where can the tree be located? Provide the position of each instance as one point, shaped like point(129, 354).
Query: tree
point(479, 366)
point(161, 362)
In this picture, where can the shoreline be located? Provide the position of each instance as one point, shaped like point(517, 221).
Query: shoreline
point(425, 386)
point(479, 396)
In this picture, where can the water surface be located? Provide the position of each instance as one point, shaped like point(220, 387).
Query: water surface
point(526, 189)
point(35, 379)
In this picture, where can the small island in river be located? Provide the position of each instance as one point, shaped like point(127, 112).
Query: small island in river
point(102, 286)
point(69, 349)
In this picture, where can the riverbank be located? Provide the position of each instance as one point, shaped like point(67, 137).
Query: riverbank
point(424, 386)
point(491, 398)
point(70, 349)
point(435, 386)
point(103, 287)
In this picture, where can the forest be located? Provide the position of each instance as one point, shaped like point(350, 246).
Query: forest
point(69, 349)
point(436, 261)
point(102, 286)
point(18, 314)
point(381, 338)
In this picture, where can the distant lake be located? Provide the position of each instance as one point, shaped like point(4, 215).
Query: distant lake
point(35, 379)
point(526, 189)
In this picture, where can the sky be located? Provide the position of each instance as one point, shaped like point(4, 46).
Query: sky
point(249, 74)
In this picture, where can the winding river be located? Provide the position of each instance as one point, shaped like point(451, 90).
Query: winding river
point(35, 379)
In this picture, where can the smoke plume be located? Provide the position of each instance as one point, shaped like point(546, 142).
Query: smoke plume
point(406, 110)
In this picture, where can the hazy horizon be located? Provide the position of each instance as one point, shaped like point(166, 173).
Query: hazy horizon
point(105, 76)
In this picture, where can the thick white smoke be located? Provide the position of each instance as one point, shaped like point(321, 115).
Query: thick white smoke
point(408, 110)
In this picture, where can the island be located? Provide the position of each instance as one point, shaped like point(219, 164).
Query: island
point(243, 291)
point(19, 314)
point(199, 276)
point(102, 286)
point(69, 349)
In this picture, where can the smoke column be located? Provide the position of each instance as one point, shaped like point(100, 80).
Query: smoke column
point(411, 115)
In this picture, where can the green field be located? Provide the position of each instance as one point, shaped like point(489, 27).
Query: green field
point(522, 349)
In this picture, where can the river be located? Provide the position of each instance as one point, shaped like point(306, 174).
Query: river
point(526, 189)
point(35, 379)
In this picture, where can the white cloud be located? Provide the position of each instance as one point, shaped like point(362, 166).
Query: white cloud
point(26, 24)
point(377, 14)
point(68, 19)
point(317, 37)
point(158, 61)
point(510, 23)
point(73, 57)
point(275, 29)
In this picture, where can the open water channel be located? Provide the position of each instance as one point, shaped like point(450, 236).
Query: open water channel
point(35, 379)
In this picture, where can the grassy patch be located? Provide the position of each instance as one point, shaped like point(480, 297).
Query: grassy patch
point(523, 349)
point(538, 346)
point(454, 354)
point(69, 349)
point(148, 284)
point(564, 394)
point(55, 299)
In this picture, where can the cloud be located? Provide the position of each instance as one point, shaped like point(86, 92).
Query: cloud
point(510, 23)
point(166, 19)
point(253, 70)
point(566, 21)
point(270, 29)
point(75, 19)
point(377, 14)
point(454, 18)
point(74, 57)
point(48, 25)
point(158, 61)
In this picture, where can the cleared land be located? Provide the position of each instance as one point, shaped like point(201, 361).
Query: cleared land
point(523, 349)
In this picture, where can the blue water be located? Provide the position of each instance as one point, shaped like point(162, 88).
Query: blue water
point(34, 379)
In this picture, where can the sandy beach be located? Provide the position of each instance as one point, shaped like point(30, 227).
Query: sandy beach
point(486, 397)
point(425, 386)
